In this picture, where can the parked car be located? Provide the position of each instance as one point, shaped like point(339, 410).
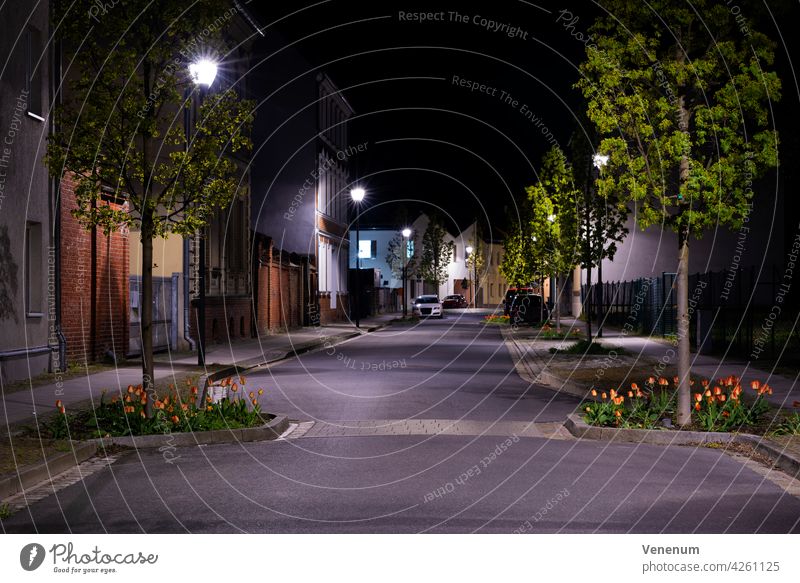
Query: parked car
point(454, 301)
point(528, 308)
point(428, 305)
point(511, 294)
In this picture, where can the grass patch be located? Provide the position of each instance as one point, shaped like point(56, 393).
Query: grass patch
point(5, 511)
point(407, 321)
point(588, 347)
point(23, 451)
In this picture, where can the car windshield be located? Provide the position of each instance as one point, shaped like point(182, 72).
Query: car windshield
point(427, 300)
point(452, 298)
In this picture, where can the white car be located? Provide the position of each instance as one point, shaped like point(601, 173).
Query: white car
point(428, 305)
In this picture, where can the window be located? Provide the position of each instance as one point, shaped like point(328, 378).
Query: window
point(33, 72)
point(367, 249)
point(33, 269)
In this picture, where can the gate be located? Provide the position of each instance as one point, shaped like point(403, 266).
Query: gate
point(163, 299)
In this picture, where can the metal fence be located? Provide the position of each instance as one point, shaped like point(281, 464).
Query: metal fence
point(730, 310)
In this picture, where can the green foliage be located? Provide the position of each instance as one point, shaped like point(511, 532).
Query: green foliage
point(584, 346)
point(395, 257)
point(5, 511)
point(121, 123)
point(126, 415)
point(684, 116)
point(789, 426)
point(436, 253)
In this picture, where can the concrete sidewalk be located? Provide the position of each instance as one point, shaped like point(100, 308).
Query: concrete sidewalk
point(786, 390)
point(28, 404)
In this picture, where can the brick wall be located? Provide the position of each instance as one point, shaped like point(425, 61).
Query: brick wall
point(227, 319)
point(94, 295)
point(279, 296)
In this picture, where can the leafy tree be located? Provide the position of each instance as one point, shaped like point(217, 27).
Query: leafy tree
point(394, 256)
point(477, 259)
point(554, 219)
point(121, 130)
point(436, 253)
point(684, 112)
point(602, 216)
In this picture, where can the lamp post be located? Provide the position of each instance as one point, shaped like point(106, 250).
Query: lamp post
point(600, 160)
point(203, 72)
point(469, 249)
point(406, 235)
point(358, 195)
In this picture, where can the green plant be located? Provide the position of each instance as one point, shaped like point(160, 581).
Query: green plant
point(496, 319)
point(5, 511)
point(789, 426)
point(124, 414)
point(721, 407)
point(587, 347)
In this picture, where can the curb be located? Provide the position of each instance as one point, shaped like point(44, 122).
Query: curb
point(249, 364)
point(526, 369)
point(268, 432)
point(43, 471)
point(780, 459)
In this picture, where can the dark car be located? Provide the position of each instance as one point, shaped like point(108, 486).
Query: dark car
point(511, 294)
point(528, 308)
point(454, 301)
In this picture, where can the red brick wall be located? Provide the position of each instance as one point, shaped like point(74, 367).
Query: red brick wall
point(101, 292)
point(329, 315)
point(227, 319)
point(279, 303)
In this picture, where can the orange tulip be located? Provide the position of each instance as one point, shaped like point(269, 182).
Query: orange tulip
point(707, 393)
point(634, 386)
point(234, 388)
point(142, 415)
point(698, 397)
point(261, 392)
point(618, 413)
point(612, 393)
point(255, 401)
point(128, 399)
point(651, 380)
point(62, 410)
point(755, 385)
point(663, 382)
point(594, 392)
point(603, 395)
point(675, 380)
point(193, 390)
point(704, 382)
point(717, 391)
point(58, 403)
point(630, 394)
point(721, 398)
point(130, 388)
point(209, 408)
point(588, 409)
point(175, 419)
point(697, 406)
point(795, 403)
point(184, 407)
point(251, 395)
point(242, 380)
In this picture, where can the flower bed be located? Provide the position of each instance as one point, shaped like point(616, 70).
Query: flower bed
point(124, 414)
point(719, 406)
point(496, 319)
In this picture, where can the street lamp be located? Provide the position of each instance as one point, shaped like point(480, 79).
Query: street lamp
point(203, 72)
point(600, 160)
point(470, 249)
point(406, 235)
point(358, 194)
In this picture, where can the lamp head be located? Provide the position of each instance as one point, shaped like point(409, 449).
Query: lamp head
point(406, 232)
point(358, 194)
point(203, 72)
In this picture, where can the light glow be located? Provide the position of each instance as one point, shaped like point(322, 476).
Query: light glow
point(203, 72)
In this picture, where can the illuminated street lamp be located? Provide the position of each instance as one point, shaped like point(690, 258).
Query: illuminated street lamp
point(203, 72)
point(599, 161)
point(358, 194)
point(406, 235)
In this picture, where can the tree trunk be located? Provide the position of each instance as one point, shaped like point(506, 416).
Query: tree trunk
point(588, 308)
point(558, 307)
point(146, 315)
point(600, 294)
point(684, 355)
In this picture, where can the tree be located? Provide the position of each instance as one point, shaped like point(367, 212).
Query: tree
point(120, 127)
point(602, 216)
point(477, 259)
point(685, 122)
point(554, 219)
point(394, 256)
point(436, 253)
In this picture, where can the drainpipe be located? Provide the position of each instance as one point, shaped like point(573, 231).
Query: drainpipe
point(55, 189)
point(186, 306)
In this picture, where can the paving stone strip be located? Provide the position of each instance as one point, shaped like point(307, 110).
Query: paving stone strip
point(310, 429)
point(64, 480)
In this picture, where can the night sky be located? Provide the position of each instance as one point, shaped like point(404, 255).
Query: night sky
point(434, 137)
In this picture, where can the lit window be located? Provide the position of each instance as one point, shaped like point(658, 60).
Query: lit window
point(366, 249)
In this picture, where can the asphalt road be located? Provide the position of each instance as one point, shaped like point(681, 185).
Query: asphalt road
point(379, 465)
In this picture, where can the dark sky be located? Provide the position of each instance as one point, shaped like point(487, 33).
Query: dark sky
point(435, 143)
